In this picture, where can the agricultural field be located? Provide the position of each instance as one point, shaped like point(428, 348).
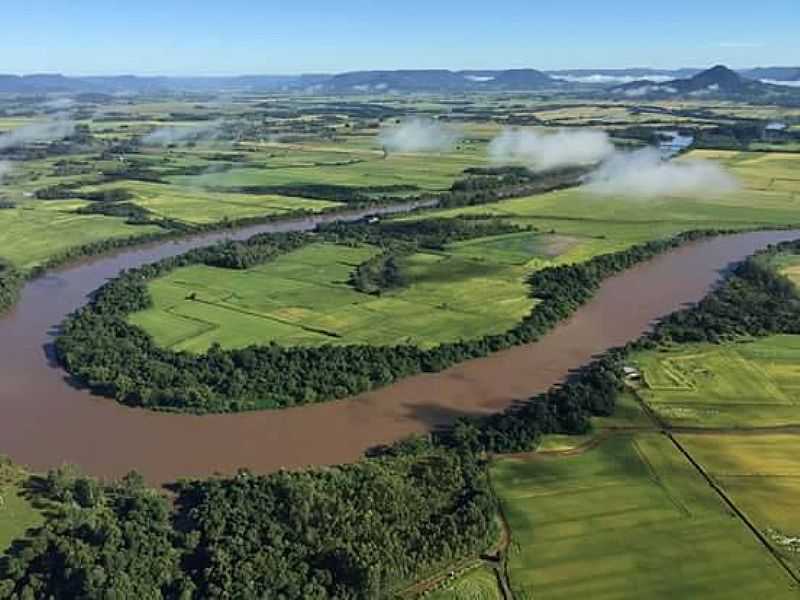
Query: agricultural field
point(761, 475)
point(629, 514)
point(744, 384)
point(304, 298)
point(769, 194)
point(475, 287)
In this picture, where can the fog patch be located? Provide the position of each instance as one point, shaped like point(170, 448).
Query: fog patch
point(419, 135)
point(781, 82)
point(5, 170)
point(165, 136)
point(601, 79)
point(59, 103)
point(543, 151)
point(643, 173)
point(37, 133)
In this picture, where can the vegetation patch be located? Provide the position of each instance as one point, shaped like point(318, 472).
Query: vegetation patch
point(17, 510)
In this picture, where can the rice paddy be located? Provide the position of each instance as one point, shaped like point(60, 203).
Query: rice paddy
point(746, 384)
point(304, 298)
point(761, 475)
point(631, 516)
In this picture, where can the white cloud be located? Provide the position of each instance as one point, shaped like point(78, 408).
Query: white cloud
point(419, 135)
point(645, 174)
point(549, 150)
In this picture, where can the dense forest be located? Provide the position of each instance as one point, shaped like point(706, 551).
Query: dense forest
point(114, 358)
point(356, 531)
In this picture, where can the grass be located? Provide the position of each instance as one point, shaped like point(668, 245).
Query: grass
point(303, 298)
point(475, 584)
point(761, 474)
point(631, 517)
point(17, 514)
point(746, 384)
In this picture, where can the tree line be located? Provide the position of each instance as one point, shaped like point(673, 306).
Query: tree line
point(11, 282)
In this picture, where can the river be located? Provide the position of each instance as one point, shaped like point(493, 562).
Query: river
point(45, 422)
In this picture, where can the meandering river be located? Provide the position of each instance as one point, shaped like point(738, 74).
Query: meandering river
point(45, 422)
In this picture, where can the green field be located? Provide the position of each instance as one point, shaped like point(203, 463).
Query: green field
point(304, 298)
point(761, 474)
point(769, 195)
point(477, 584)
point(745, 384)
point(473, 288)
point(630, 518)
point(426, 171)
point(17, 515)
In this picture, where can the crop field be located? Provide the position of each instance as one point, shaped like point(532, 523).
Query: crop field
point(754, 383)
point(761, 474)
point(630, 514)
point(769, 195)
point(200, 206)
point(29, 235)
point(476, 584)
point(426, 171)
point(304, 298)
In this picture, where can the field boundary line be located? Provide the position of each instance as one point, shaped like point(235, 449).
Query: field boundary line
point(737, 511)
point(658, 480)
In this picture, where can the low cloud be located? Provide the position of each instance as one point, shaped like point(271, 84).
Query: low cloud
point(782, 82)
point(5, 170)
point(550, 150)
point(645, 174)
point(601, 79)
point(740, 45)
point(62, 103)
point(36, 133)
point(164, 136)
point(419, 135)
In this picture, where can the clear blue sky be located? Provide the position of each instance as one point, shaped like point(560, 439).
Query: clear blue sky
point(214, 37)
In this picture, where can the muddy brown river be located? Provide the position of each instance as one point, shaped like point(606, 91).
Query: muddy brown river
point(45, 422)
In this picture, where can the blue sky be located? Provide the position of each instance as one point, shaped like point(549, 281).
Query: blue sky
point(213, 37)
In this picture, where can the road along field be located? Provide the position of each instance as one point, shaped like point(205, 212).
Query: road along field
point(761, 476)
point(630, 516)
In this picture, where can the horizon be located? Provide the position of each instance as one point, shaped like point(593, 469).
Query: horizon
point(204, 39)
point(332, 73)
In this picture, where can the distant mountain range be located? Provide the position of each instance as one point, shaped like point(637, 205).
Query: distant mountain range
point(716, 82)
point(621, 81)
